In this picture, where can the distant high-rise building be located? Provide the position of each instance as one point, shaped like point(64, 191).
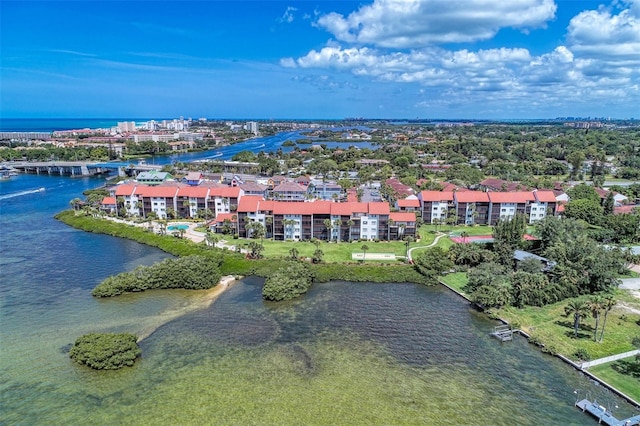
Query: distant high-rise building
point(126, 126)
point(252, 126)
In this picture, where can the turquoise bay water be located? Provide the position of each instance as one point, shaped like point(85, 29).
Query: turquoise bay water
point(344, 354)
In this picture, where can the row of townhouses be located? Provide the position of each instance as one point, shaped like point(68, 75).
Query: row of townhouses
point(484, 208)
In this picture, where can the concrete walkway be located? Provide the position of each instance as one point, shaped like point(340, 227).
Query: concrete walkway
point(630, 284)
point(440, 235)
point(611, 358)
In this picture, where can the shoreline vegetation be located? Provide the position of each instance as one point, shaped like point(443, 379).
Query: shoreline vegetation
point(236, 264)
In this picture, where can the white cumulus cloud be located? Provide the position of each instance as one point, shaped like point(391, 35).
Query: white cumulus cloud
point(418, 23)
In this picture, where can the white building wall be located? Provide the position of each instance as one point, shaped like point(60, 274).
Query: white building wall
point(369, 227)
point(293, 232)
point(538, 212)
point(438, 210)
point(219, 205)
point(508, 210)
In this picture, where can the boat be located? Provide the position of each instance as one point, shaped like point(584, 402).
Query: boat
point(6, 173)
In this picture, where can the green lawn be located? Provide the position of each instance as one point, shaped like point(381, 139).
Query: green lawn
point(333, 252)
point(550, 326)
point(624, 375)
point(456, 280)
point(458, 229)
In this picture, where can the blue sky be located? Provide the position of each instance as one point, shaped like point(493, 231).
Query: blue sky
point(320, 59)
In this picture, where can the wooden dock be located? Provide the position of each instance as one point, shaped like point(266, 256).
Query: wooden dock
point(604, 416)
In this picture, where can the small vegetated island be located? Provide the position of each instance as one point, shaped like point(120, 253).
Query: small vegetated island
point(106, 351)
point(188, 272)
point(288, 282)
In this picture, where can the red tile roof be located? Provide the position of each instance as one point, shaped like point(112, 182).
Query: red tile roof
point(545, 196)
point(249, 203)
point(436, 196)
point(510, 197)
point(448, 187)
point(124, 190)
point(625, 209)
point(302, 208)
point(471, 197)
point(399, 187)
point(412, 202)
point(403, 217)
point(193, 192)
point(156, 191)
point(342, 209)
point(109, 201)
point(290, 187)
point(222, 216)
point(226, 192)
point(379, 208)
point(602, 192)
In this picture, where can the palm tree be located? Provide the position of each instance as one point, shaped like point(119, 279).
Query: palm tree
point(269, 221)
point(408, 240)
point(350, 223)
point(288, 223)
point(327, 224)
point(608, 303)
point(163, 226)
point(140, 206)
point(364, 251)
point(578, 308)
point(390, 223)
point(338, 224)
point(401, 228)
point(234, 218)
point(211, 238)
point(187, 205)
point(595, 304)
point(294, 253)
point(464, 235)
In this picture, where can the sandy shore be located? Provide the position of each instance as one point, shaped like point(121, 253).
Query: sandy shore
point(205, 300)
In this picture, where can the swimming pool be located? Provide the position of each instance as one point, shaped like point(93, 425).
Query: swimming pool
point(177, 227)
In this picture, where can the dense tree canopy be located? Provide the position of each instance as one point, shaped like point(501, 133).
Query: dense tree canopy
point(106, 351)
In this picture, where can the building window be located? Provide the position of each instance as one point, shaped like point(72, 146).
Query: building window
point(364, 222)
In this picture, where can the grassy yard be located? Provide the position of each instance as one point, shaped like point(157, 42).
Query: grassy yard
point(624, 375)
point(458, 229)
point(550, 326)
point(333, 252)
point(456, 280)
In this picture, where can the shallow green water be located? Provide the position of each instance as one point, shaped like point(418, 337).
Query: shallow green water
point(345, 354)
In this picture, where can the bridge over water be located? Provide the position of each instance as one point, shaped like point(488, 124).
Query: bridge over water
point(77, 168)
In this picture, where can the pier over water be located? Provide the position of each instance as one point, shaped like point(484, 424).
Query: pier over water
point(604, 416)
